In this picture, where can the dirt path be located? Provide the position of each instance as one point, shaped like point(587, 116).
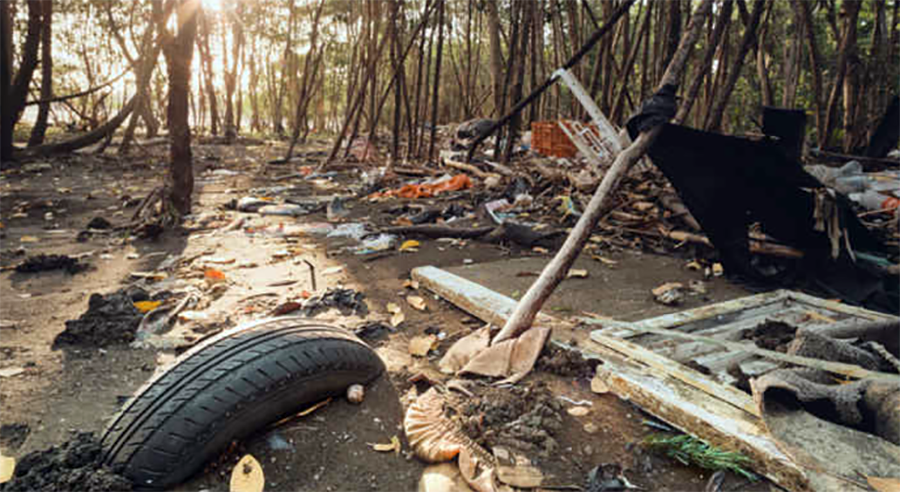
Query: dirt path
point(265, 263)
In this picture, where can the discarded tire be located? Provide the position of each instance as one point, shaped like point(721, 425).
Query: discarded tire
point(226, 388)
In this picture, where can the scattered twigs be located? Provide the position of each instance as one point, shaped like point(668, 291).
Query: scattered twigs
point(312, 273)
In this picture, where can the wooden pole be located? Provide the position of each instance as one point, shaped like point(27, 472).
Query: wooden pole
point(556, 270)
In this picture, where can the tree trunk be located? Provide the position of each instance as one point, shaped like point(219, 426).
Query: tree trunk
point(237, 43)
point(437, 82)
point(522, 55)
point(179, 51)
point(206, 67)
point(29, 62)
point(496, 54)
point(803, 9)
point(397, 66)
point(850, 10)
point(704, 71)
point(40, 125)
point(791, 64)
point(762, 70)
point(6, 118)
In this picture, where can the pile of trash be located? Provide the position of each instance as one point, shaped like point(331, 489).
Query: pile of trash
point(110, 319)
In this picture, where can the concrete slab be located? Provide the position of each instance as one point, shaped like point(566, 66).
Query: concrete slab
point(620, 291)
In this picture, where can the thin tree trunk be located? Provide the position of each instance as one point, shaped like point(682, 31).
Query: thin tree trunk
point(762, 70)
point(803, 9)
point(722, 23)
point(40, 125)
point(19, 89)
point(525, 37)
point(6, 118)
point(850, 10)
point(437, 82)
point(415, 129)
point(496, 54)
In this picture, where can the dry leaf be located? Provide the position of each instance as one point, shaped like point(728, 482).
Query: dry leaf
point(579, 411)
point(7, 468)
point(538, 249)
point(28, 239)
point(410, 245)
point(147, 306)
point(393, 308)
point(397, 318)
point(526, 477)
point(590, 427)
point(386, 448)
point(599, 386)
point(884, 484)
point(694, 265)
point(9, 372)
point(287, 307)
point(420, 346)
point(411, 284)
point(416, 302)
point(605, 261)
point(577, 273)
point(717, 269)
point(247, 476)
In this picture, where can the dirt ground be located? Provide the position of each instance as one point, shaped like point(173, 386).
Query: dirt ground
point(49, 394)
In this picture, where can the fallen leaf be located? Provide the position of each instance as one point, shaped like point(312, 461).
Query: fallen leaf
point(590, 427)
point(605, 261)
point(147, 306)
point(411, 284)
point(410, 245)
point(599, 386)
point(29, 239)
point(884, 484)
point(717, 269)
point(247, 476)
point(577, 273)
point(538, 249)
point(694, 265)
point(579, 411)
point(386, 448)
point(526, 477)
point(420, 346)
point(416, 302)
point(10, 372)
point(287, 307)
point(662, 289)
point(305, 294)
point(397, 319)
point(393, 308)
point(7, 468)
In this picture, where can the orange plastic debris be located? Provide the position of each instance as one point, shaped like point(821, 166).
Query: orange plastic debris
point(414, 191)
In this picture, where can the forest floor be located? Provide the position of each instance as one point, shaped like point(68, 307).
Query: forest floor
point(48, 393)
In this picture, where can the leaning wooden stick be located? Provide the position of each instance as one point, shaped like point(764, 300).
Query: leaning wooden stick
point(556, 270)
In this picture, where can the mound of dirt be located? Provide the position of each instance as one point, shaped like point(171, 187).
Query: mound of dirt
point(522, 419)
point(43, 263)
point(565, 363)
point(75, 465)
point(771, 335)
point(110, 319)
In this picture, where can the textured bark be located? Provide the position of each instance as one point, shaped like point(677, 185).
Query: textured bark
point(704, 69)
point(803, 9)
point(6, 118)
point(206, 68)
point(40, 125)
point(850, 10)
point(179, 51)
point(437, 81)
point(496, 53)
point(19, 90)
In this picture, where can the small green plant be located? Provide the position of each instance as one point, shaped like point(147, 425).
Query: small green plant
point(692, 451)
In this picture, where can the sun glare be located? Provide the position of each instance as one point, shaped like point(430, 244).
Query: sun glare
point(213, 5)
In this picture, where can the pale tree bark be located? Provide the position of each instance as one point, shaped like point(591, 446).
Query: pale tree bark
point(237, 46)
point(206, 69)
point(555, 271)
point(791, 62)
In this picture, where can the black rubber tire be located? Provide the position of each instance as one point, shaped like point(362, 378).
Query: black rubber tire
point(226, 388)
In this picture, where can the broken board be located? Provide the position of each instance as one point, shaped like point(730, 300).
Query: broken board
point(693, 402)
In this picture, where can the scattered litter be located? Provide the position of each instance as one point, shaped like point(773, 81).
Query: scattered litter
point(411, 284)
point(42, 263)
point(252, 204)
point(381, 242)
point(332, 270)
point(717, 270)
point(110, 319)
point(356, 393)
point(417, 302)
point(277, 442)
point(75, 465)
point(147, 306)
point(213, 276)
point(9, 372)
point(336, 210)
point(574, 402)
point(286, 209)
point(218, 260)
point(669, 293)
point(410, 245)
point(607, 477)
point(577, 273)
point(353, 230)
point(394, 446)
point(428, 189)
point(247, 476)
point(348, 301)
point(461, 352)
point(420, 346)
